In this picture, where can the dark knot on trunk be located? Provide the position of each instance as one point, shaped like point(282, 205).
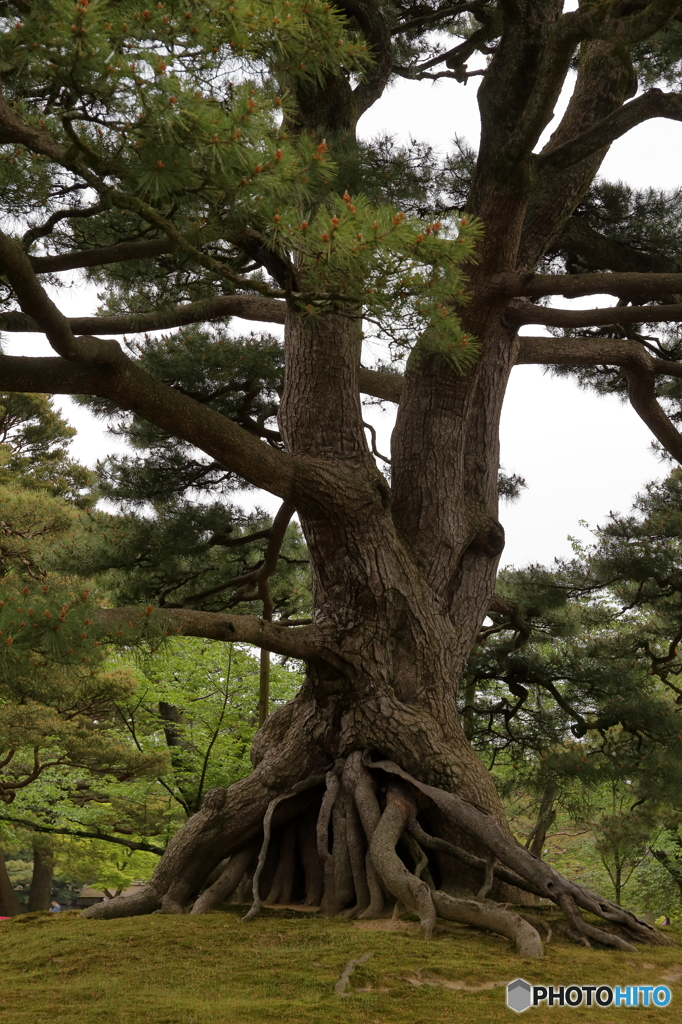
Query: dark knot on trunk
point(489, 540)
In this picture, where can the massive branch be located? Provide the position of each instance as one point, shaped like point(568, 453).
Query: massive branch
point(305, 642)
point(121, 252)
point(594, 352)
point(248, 307)
point(60, 377)
point(232, 447)
point(653, 103)
point(103, 370)
point(611, 316)
point(573, 286)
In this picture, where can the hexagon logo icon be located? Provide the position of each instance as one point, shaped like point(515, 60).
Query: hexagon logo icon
point(518, 995)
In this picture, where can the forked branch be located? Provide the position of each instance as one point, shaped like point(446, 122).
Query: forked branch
point(653, 103)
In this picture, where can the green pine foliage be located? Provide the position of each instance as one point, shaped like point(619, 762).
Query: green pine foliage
point(55, 689)
point(179, 118)
point(187, 554)
point(34, 440)
point(181, 536)
point(659, 60)
point(577, 684)
point(202, 696)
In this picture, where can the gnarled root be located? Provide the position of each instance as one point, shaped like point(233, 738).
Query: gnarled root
point(402, 883)
point(333, 785)
point(360, 783)
point(491, 917)
point(349, 847)
point(356, 856)
point(537, 876)
point(145, 901)
point(300, 787)
point(227, 881)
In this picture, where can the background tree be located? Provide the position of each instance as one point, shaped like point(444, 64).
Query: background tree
point(137, 145)
point(55, 689)
point(573, 693)
point(202, 696)
point(56, 693)
point(34, 442)
point(197, 697)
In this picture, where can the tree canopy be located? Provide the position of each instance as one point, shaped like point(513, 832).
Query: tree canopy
point(199, 161)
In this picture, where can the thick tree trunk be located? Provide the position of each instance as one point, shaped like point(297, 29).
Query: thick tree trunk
point(403, 576)
point(401, 583)
point(9, 902)
point(40, 893)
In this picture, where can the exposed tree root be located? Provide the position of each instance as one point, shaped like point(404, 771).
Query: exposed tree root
point(419, 859)
point(313, 780)
point(581, 927)
point(404, 884)
point(376, 891)
point(488, 880)
point(538, 923)
point(227, 881)
point(470, 859)
point(344, 890)
point(356, 855)
point(344, 981)
point(333, 785)
point(361, 841)
point(545, 880)
point(146, 901)
point(492, 917)
point(360, 783)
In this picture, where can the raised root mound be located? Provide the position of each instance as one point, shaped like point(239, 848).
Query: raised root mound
point(355, 840)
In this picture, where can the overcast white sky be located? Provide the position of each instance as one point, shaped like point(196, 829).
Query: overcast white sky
point(581, 456)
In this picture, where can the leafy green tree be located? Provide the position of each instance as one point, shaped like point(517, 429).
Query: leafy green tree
point(101, 865)
point(56, 691)
point(210, 166)
point(199, 698)
point(34, 440)
point(202, 696)
point(667, 849)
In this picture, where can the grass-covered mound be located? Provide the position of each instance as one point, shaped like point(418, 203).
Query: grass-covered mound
point(282, 968)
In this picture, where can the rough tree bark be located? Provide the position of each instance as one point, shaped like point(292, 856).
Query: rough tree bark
point(401, 583)
point(353, 777)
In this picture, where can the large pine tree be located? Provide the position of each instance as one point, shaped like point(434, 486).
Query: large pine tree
point(200, 161)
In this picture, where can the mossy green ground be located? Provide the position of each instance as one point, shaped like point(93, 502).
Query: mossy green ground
point(282, 968)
